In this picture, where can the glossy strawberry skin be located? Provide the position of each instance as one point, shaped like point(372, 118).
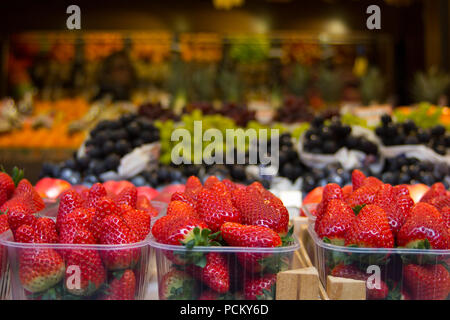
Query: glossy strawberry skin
point(445, 212)
point(103, 207)
point(215, 274)
point(69, 201)
point(215, 211)
point(427, 282)
point(424, 223)
point(115, 231)
point(352, 272)
point(181, 196)
point(45, 230)
point(181, 208)
point(127, 196)
point(122, 288)
point(26, 190)
point(436, 190)
point(193, 187)
point(138, 221)
point(18, 214)
point(370, 229)
point(6, 187)
point(334, 224)
point(330, 191)
point(364, 195)
point(440, 202)
point(211, 181)
point(357, 179)
point(96, 192)
point(176, 230)
point(254, 287)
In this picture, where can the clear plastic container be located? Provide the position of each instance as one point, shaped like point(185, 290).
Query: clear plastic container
point(180, 275)
point(389, 273)
point(309, 210)
point(73, 267)
point(86, 272)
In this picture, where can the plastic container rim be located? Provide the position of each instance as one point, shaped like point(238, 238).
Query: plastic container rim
point(291, 248)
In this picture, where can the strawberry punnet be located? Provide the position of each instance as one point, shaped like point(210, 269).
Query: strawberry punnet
point(424, 229)
point(122, 286)
point(370, 229)
point(260, 287)
point(215, 273)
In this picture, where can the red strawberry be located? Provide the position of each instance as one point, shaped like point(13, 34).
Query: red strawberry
point(4, 226)
point(222, 191)
point(260, 287)
point(347, 191)
point(335, 222)
point(401, 189)
point(215, 273)
point(427, 282)
point(18, 214)
point(6, 187)
point(357, 179)
point(74, 221)
point(400, 212)
point(436, 190)
point(371, 181)
point(254, 210)
point(104, 206)
point(40, 269)
point(178, 230)
point(85, 264)
point(193, 187)
point(440, 202)
point(26, 191)
point(177, 285)
point(229, 184)
point(138, 221)
point(424, 229)
point(69, 201)
point(352, 272)
point(122, 287)
point(239, 235)
point(330, 191)
point(115, 231)
point(45, 230)
point(24, 234)
point(384, 197)
point(145, 205)
point(96, 192)
point(127, 196)
point(215, 210)
point(370, 229)
point(445, 212)
point(181, 196)
point(364, 195)
point(181, 208)
point(212, 180)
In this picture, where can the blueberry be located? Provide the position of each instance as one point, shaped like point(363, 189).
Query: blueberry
point(91, 179)
point(134, 129)
point(123, 147)
point(138, 181)
point(118, 134)
point(112, 161)
point(108, 147)
point(83, 162)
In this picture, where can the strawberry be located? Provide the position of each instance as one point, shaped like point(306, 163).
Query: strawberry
point(330, 191)
point(260, 287)
point(6, 187)
point(254, 210)
point(18, 214)
point(145, 205)
point(183, 197)
point(127, 196)
point(399, 212)
point(24, 234)
point(45, 230)
point(335, 222)
point(69, 201)
point(371, 181)
point(357, 179)
point(370, 229)
point(193, 187)
point(427, 282)
point(215, 273)
point(96, 192)
point(137, 220)
point(222, 191)
point(26, 191)
point(4, 226)
point(445, 212)
point(347, 191)
point(352, 272)
point(272, 201)
point(215, 211)
point(181, 208)
point(177, 285)
point(364, 195)
point(85, 263)
point(440, 202)
point(103, 207)
point(40, 269)
point(238, 235)
point(401, 189)
point(122, 287)
point(76, 220)
point(115, 231)
point(229, 184)
point(424, 229)
point(210, 182)
point(437, 189)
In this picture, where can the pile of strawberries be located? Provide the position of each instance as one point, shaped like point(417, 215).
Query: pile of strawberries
point(92, 217)
point(371, 214)
point(221, 213)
